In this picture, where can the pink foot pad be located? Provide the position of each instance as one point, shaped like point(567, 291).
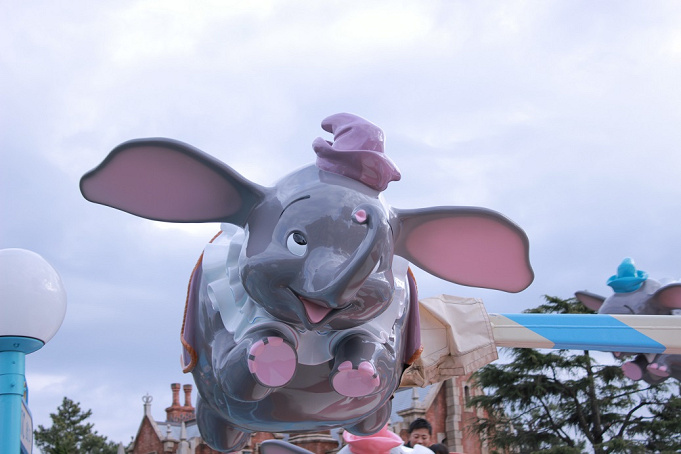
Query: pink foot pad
point(658, 371)
point(272, 361)
point(632, 370)
point(356, 382)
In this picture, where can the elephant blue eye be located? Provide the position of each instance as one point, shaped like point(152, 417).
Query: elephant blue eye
point(296, 244)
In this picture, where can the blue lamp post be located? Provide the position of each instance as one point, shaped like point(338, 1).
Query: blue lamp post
point(32, 308)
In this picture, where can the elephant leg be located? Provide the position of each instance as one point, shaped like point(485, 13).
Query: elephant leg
point(217, 432)
point(358, 366)
point(260, 363)
point(660, 367)
point(652, 379)
point(635, 369)
point(674, 363)
point(372, 423)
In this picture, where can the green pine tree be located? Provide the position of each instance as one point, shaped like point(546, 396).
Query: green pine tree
point(70, 434)
point(564, 401)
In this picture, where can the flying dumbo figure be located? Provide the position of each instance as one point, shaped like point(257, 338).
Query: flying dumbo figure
point(636, 293)
point(302, 312)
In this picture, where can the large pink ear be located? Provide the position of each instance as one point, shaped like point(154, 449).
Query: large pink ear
point(590, 300)
point(669, 296)
point(167, 180)
point(466, 245)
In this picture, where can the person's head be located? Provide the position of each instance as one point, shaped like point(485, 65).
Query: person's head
point(420, 432)
point(439, 448)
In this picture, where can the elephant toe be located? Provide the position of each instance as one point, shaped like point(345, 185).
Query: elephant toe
point(356, 382)
point(657, 370)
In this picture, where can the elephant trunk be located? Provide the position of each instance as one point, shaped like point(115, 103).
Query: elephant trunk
point(361, 264)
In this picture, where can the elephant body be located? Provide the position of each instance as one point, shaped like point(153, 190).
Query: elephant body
point(302, 314)
point(299, 385)
point(635, 293)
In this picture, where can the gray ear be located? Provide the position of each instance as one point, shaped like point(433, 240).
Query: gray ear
point(167, 180)
point(281, 447)
point(590, 300)
point(466, 245)
point(669, 296)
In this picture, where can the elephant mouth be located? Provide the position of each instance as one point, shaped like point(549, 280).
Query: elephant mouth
point(315, 311)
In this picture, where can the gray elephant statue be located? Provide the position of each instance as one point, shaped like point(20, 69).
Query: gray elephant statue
point(302, 312)
point(636, 293)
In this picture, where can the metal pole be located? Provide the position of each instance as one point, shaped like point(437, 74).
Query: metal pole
point(12, 370)
point(13, 351)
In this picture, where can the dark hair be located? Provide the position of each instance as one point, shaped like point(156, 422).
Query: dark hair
point(439, 448)
point(420, 423)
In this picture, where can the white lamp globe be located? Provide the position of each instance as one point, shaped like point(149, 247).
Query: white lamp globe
point(32, 297)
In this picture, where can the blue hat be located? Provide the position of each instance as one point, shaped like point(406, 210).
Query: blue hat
point(628, 278)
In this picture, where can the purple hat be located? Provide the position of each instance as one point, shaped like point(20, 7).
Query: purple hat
point(357, 151)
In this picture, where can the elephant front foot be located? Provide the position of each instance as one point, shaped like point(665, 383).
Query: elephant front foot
point(359, 364)
point(657, 370)
point(632, 370)
point(360, 381)
point(255, 367)
point(272, 361)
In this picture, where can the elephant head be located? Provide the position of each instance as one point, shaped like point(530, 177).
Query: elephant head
point(320, 242)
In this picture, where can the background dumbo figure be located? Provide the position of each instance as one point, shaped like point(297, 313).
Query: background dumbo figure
point(636, 293)
point(301, 313)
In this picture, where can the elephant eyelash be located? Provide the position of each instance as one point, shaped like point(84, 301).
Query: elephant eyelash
point(294, 201)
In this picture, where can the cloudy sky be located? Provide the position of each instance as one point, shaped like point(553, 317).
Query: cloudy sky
point(565, 116)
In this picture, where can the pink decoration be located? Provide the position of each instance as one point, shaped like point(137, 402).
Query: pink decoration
point(379, 443)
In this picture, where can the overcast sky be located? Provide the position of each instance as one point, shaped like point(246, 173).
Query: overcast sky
point(565, 116)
